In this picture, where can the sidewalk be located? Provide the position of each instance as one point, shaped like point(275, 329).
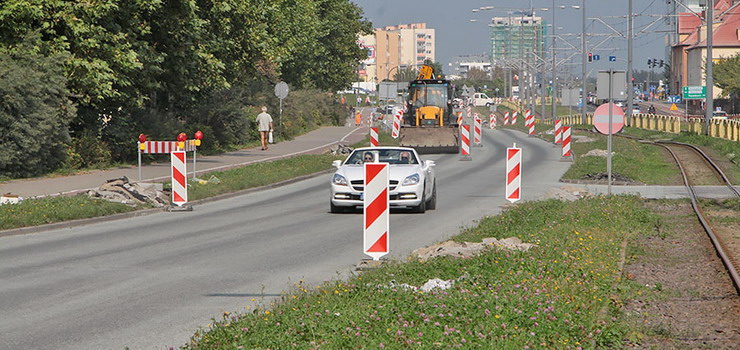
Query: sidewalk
point(315, 142)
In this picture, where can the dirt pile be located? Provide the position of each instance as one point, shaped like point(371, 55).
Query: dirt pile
point(470, 249)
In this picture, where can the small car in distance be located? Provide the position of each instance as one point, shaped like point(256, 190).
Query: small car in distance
point(412, 181)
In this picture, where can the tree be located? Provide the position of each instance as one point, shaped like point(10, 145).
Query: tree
point(477, 74)
point(727, 75)
point(35, 109)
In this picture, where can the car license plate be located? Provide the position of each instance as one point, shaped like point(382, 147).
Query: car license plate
point(362, 196)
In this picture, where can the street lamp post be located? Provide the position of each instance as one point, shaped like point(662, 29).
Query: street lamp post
point(554, 73)
point(584, 90)
point(708, 113)
point(630, 89)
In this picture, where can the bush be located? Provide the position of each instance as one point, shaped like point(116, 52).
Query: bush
point(34, 112)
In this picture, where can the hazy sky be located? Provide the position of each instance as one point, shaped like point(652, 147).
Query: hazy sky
point(456, 35)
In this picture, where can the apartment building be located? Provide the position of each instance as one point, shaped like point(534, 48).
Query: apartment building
point(392, 48)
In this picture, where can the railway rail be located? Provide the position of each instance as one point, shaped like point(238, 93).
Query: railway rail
point(727, 261)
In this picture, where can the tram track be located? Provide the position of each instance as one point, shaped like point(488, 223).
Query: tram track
point(690, 179)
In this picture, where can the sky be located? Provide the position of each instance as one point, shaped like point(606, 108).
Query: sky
point(456, 35)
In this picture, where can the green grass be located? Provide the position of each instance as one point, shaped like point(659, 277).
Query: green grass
point(32, 212)
point(562, 111)
point(566, 293)
point(640, 162)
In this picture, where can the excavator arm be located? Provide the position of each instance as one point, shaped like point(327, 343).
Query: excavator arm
point(426, 72)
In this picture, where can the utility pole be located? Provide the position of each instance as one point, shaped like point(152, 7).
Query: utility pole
point(710, 67)
point(630, 88)
point(584, 91)
point(554, 74)
point(522, 97)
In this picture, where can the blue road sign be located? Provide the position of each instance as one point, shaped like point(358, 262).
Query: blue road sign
point(597, 57)
point(612, 58)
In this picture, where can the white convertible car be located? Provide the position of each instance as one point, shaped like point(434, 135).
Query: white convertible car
point(411, 180)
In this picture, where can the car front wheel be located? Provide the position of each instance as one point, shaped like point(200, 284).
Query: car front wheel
point(336, 209)
point(432, 205)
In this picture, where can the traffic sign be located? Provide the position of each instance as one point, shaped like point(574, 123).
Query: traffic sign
point(596, 57)
point(674, 107)
point(612, 58)
point(694, 92)
point(376, 210)
point(281, 90)
point(601, 118)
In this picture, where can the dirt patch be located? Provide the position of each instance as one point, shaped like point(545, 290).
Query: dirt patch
point(697, 169)
point(693, 304)
point(725, 223)
point(604, 177)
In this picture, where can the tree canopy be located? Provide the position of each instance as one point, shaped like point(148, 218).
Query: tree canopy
point(134, 65)
point(727, 75)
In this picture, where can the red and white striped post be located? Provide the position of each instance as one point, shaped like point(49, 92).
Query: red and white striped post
point(179, 184)
point(492, 121)
point(469, 112)
point(477, 131)
point(465, 142)
point(513, 173)
point(396, 124)
point(558, 131)
point(376, 211)
point(513, 118)
point(529, 122)
point(566, 141)
point(459, 118)
point(374, 137)
point(506, 118)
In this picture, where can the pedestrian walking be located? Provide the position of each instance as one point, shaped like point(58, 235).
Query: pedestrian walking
point(359, 101)
point(264, 126)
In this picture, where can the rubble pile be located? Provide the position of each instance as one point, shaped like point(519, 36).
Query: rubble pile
point(470, 249)
point(121, 190)
point(340, 149)
point(598, 153)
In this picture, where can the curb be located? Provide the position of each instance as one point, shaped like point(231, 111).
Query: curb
point(144, 212)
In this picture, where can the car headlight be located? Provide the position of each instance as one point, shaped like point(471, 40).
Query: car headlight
point(411, 180)
point(339, 180)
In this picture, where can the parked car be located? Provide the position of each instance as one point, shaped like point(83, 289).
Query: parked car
point(719, 115)
point(481, 99)
point(412, 181)
point(636, 109)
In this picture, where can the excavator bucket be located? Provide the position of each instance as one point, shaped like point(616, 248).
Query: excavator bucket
point(426, 140)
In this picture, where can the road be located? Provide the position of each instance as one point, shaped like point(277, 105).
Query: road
point(150, 282)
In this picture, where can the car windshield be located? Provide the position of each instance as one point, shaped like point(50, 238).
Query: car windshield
point(391, 156)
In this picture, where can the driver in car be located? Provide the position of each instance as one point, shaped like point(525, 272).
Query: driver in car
point(405, 157)
point(368, 157)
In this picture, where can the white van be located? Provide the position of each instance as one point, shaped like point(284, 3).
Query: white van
point(481, 99)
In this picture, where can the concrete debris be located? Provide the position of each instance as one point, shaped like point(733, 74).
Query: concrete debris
point(582, 139)
point(121, 190)
point(10, 198)
point(566, 193)
point(469, 249)
point(598, 153)
point(436, 283)
point(213, 180)
point(340, 149)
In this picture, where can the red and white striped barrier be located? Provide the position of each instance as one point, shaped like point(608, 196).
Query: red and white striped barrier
point(468, 111)
point(513, 173)
point(396, 124)
point(529, 122)
point(513, 118)
point(179, 182)
point(161, 147)
point(506, 118)
point(492, 121)
point(465, 142)
point(558, 131)
point(476, 130)
point(459, 117)
point(374, 137)
point(376, 211)
point(566, 141)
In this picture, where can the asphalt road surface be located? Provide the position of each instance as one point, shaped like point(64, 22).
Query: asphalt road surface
point(150, 282)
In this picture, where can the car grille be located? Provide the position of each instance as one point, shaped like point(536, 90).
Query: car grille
point(359, 185)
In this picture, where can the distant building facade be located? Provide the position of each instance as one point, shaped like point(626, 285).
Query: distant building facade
point(517, 36)
point(464, 63)
point(396, 47)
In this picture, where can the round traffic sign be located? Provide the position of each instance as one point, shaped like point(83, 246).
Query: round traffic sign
point(281, 90)
point(601, 118)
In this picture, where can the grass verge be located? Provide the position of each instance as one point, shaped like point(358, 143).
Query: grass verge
point(33, 212)
point(563, 294)
point(639, 162)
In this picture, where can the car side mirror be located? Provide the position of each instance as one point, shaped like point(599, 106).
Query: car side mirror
point(336, 163)
point(429, 163)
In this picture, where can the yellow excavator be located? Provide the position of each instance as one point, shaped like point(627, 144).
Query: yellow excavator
point(429, 123)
